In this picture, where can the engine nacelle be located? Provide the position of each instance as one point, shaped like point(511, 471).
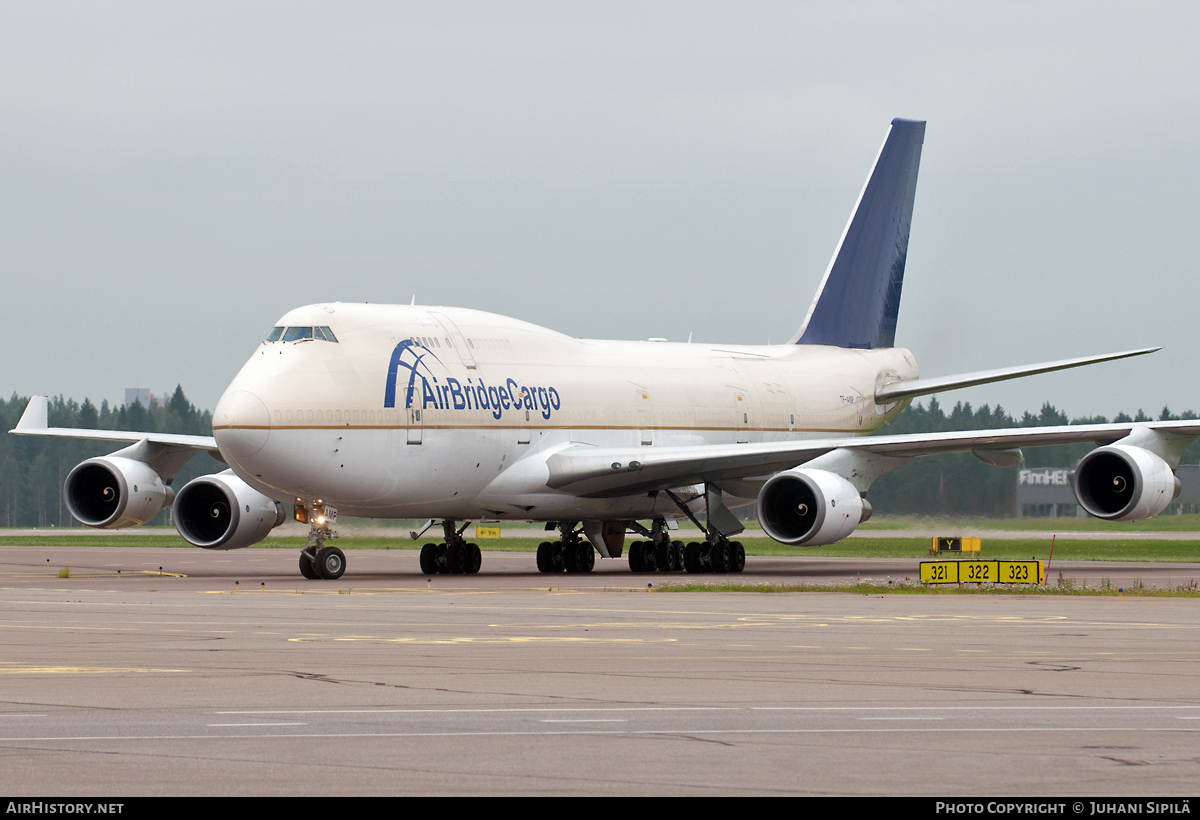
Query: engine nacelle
point(112, 491)
point(222, 512)
point(811, 507)
point(1124, 483)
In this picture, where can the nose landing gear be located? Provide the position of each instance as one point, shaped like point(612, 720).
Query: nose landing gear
point(318, 561)
point(455, 556)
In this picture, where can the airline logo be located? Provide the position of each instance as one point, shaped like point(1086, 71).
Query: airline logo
point(422, 389)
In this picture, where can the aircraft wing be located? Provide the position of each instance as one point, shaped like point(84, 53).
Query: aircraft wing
point(925, 387)
point(35, 422)
point(610, 471)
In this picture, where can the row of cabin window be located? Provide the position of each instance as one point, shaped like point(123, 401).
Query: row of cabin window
point(488, 344)
point(575, 416)
point(340, 416)
point(323, 333)
point(297, 334)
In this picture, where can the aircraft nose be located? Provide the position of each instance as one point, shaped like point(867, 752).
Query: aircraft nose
point(241, 423)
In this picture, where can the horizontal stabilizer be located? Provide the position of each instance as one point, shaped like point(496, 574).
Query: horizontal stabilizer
point(923, 387)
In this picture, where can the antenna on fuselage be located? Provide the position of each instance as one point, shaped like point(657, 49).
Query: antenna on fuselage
point(689, 337)
point(414, 301)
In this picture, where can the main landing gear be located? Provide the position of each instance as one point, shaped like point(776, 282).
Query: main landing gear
point(317, 560)
point(572, 554)
point(660, 554)
point(716, 553)
point(454, 556)
point(673, 556)
point(720, 555)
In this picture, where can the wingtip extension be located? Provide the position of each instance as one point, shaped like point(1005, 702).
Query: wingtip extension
point(36, 415)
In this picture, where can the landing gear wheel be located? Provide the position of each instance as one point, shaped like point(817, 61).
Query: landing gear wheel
point(545, 557)
point(691, 558)
point(719, 557)
point(570, 557)
point(307, 566)
point(429, 559)
point(737, 556)
point(637, 558)
point(439, 559)
point(585, 557)
point(456, 558)
point(662, 556)
point(676, 556)
point(331, 563)
point(473, 559)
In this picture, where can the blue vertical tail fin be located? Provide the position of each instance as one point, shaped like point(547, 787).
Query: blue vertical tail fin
point(859, 298)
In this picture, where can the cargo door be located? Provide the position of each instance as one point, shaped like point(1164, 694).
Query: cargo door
point(415, 426)
point(645, 423)
point(523, 426)
point(741, 417)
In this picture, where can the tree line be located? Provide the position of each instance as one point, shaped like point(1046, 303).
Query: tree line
point(961, 484)
point(33, 469)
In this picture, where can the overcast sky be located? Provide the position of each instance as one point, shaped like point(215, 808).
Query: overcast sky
point(173, 178)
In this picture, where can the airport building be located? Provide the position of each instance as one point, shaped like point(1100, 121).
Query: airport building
point(1048, 492)
point(143, 395)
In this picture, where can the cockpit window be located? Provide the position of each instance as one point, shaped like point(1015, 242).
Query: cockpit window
point(300, 334)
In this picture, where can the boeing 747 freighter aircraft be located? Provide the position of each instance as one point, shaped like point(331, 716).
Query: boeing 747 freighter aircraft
point(456, 415)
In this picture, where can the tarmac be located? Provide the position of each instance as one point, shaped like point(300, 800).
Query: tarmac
point(228, 674)
point(276, 569)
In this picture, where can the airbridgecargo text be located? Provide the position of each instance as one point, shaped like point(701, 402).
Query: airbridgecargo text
point(449, 393)
point(510, 396)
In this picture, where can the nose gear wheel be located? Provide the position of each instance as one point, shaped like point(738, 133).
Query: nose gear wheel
point(308, 560)
point(331, 563)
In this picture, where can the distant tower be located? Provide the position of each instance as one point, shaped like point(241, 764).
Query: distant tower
point(141, 394)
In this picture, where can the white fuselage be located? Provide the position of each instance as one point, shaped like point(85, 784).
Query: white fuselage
point(418, 412)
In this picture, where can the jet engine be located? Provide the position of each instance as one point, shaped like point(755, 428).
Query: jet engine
point(1124, 483)
point(811, 507)
point(112, 492)
point(222, 512)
